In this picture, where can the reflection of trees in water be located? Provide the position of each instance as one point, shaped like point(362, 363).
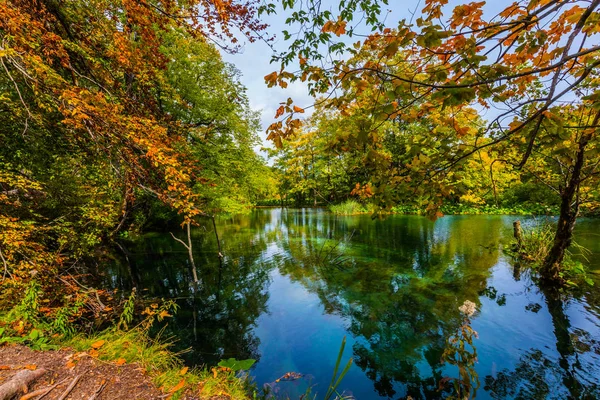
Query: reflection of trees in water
point(402, 304)
point(398, 283)
point(539, 376)
point(216, 318)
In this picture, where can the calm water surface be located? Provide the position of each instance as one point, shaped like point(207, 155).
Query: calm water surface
point(294, 282)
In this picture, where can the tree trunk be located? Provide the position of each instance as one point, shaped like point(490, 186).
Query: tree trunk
point(551, 268)
point(569, 208)
point(518, 234)
point(220, 254)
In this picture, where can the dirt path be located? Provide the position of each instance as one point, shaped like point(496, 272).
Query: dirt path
point(105, 381)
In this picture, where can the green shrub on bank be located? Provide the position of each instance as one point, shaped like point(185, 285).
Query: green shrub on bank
point(349, 207)
point(465, 209)
point(535, 244)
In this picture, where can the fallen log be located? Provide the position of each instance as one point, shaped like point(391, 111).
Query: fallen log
point(19, 383)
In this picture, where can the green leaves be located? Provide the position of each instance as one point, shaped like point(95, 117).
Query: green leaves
point(237, 365)
point(335, 379)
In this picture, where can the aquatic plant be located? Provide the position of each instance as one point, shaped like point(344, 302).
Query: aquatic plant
point(533, 244)
point(349, 207)
point(462, 353)
point(335, 379)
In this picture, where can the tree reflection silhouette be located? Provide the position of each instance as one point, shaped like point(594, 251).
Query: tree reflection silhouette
point(216, 318)
point(538, 375)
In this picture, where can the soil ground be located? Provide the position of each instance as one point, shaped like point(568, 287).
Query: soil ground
point(126, 381)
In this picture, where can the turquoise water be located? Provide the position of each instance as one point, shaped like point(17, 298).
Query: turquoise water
point(294, 282)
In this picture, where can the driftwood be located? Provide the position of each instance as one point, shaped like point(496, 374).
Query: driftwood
point(518, 234)
point(188, 246)
point(70, 388)
point(97, 392)
point(18, 383)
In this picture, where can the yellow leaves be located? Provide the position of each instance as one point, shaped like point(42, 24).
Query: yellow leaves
point(31, 367)
point(298, 109)
point(183, 371)
point(120, 361)
point(98, 344)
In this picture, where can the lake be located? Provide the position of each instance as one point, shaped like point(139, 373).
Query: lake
point(294, 282)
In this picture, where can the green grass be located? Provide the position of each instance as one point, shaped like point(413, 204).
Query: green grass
point(537, 242)
point(162, 365)
point(463, 209)
point(26, 325)
point(349, 207)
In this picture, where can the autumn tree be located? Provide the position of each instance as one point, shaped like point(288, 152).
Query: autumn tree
point(520, 64)
point(92, 118)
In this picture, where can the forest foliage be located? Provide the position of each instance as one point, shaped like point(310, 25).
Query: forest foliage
point(116, 116)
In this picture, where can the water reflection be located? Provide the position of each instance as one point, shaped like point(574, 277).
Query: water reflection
point(293, 282)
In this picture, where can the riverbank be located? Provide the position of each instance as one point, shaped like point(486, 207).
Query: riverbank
point(125, 368)
point(120, 361)
point(62, 373)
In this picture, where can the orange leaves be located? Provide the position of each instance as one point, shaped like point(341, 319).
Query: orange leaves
point(573, 14)
point(433, 8)
point(280, 111)
point(338, 27)
point(364, 191)
point(510, 10)
point(468, 15)
point(98, 344)
point(271, 79)
point(179, 386)
point(278, 131)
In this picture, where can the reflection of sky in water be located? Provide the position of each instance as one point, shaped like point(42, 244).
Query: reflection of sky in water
point(297, 281)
